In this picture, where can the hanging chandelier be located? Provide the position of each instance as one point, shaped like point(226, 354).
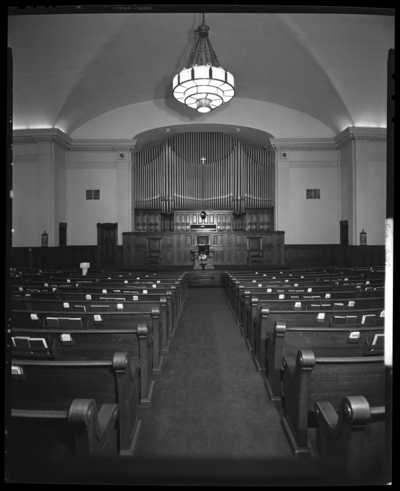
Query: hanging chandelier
point(204, 85)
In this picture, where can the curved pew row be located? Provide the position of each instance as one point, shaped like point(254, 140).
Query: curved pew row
point(53, 397)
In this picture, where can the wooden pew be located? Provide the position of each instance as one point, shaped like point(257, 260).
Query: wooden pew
point(239, 296)
point(71, 344)
point(52, 385)
point(314, 379)
point(172, 314)
point(354, 437)
point(76, 432)
point(100, 320)
point(324, 341)
point(140, 343)
point(262, 325)
point(69, 293)
point(92, 286)
point(106, 304)
point(251, 305)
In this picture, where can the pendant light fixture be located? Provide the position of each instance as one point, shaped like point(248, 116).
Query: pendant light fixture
point(204, 85)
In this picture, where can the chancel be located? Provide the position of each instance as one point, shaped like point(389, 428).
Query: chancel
point(201, 211)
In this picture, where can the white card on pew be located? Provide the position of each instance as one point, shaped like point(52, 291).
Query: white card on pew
point(66, 305)
point(88, 297)
point(281, 297)
point(301, 276)
point(254, 281)
point(269, 290)
point(259, 285)
point(382, 314)
point(108, 278)
point(65, 337)
point(327, 295)
point(138, 278)
point(296, 284)
point(158, 281)
point(135, 297)
point(367, 282)
point(97, 317)
point(20, 289)
point(286, 281)
point(256, 272)
point(351, 303)
point(354, 335)
point(126, 281)
point(264, 274)
point(46, 284)
point(144, 291)
point(120, 306)
point(16, 370)
point(321, 316)
point(34, 317)
point(309, 289)
point(104, 291)
point(154, 286)
point(274, 277)
point(297, 304)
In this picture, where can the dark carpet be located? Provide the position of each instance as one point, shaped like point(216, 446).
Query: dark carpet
point(210, 401)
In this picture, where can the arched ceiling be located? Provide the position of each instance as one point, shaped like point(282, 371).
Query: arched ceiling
point(69, 69)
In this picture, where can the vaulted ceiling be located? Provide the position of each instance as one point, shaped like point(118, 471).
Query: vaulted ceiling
point(69, 69)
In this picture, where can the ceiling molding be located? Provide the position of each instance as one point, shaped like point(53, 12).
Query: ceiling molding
point(298, 144)
point(351, 134)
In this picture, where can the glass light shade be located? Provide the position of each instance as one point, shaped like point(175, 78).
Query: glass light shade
point(204, 105)
point(203, 83)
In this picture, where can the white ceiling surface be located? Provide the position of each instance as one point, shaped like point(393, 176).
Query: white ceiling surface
point(71, 69)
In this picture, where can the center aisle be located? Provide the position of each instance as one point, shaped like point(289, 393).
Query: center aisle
point(210, 401)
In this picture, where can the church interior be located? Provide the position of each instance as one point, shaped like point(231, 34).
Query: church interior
point(200, 231)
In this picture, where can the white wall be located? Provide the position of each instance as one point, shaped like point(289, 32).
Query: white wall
point(308, 221)
point(83, 214)
point(25, 213)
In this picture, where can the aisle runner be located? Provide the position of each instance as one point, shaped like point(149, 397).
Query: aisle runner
point(210, 401)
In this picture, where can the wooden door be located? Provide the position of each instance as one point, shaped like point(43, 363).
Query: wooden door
point(107, 240)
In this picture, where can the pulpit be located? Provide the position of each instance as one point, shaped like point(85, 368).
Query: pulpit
point(153, 255)
point(202, 256)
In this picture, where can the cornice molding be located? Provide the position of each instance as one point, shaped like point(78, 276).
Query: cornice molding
point(66, 142)
point(105, 146)
point(42, 135)
point(353, 134)
point(301, 144)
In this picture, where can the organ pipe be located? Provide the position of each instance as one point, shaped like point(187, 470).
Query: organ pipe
point(173, 174)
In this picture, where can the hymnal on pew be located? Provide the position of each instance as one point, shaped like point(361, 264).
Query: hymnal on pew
point(21, 341)
point(37, 343)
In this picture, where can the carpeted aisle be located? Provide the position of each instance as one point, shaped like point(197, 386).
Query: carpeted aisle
point(210, 401)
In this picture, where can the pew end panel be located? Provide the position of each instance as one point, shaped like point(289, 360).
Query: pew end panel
point(313, 379)
point(43, 385)
point(81, 431)
point(353, 437)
